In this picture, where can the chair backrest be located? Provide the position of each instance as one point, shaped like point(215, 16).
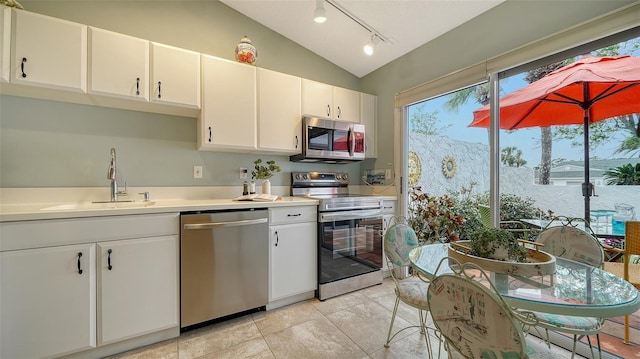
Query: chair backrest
point(632, 237)
point(473, 318)
point(572, 243)
point(399, 240)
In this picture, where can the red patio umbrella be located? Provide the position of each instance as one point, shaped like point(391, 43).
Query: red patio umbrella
point(586, 91)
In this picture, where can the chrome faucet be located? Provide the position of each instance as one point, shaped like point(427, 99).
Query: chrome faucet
point(112, 175)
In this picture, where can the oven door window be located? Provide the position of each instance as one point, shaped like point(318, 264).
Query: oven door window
point(349, 248)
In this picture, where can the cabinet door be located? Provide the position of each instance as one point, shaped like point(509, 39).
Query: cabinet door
point(48, 52)
point(138, 294)
point(293, 259)
point(5, 44)
point(317, 99)
point(368, 119)
point(228, 117)
point(346, 105)
point(118, 65)
point(175, 76)
point(47, 305)
point(279, 112)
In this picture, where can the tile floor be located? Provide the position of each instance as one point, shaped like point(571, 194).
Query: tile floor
point(350, 326)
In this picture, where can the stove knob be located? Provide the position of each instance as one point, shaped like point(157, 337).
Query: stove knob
point(297, 176)
point(305, 176)
point(344, 176)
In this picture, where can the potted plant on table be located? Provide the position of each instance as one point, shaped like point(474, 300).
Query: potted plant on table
point(264, 173)
point(494, 243)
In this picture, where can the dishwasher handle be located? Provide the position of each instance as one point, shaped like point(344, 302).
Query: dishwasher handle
point(245, 222)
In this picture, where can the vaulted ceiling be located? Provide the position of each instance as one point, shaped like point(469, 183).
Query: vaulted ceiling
point(404, 25)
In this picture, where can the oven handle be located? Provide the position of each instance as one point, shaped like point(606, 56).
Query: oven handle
point(331, 208)
point(340, 216)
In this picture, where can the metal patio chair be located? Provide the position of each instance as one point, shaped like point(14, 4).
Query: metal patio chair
point(474, 319)
point(628, 269)
point(569, 241)
point(399, 240)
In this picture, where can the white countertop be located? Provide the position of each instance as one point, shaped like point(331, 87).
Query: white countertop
point(37, 211)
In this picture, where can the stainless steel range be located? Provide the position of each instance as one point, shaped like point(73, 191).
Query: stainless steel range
point(349, 232)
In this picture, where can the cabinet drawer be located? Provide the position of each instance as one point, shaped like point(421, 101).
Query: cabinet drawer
point(47, 233)
point(389, 207)
point(282, 215)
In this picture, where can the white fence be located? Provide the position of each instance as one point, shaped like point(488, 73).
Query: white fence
point(472, 165)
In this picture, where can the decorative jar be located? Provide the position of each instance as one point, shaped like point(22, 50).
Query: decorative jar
point(246, 52)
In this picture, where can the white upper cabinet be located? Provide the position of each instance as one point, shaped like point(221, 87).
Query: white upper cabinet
point(175, 76)
point(328, 101)
point(5, 43)
point(279, 112)
point(118, 65)
point(317, 99)
point(346, 104)
point(228, 117)
point(368, 118)
point(48, 52)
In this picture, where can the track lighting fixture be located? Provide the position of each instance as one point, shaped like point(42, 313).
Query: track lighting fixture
point(370, 46)
point(320, 14)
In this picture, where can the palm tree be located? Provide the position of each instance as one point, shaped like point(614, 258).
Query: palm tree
point(545, 132)
point(624, 175)
point(512, 156)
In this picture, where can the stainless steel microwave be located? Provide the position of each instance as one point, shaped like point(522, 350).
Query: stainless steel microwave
point(330, 141)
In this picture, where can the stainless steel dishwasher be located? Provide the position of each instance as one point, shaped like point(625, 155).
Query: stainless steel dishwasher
point(224, 264)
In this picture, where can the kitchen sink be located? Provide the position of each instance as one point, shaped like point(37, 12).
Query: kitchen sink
point(98, 205)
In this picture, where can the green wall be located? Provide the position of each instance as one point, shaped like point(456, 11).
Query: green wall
point(54, 144)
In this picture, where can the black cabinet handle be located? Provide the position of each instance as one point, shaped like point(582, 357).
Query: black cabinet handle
point(277, 238)
point(109, 259)
point(159, 89)
point(339, 112)
point(297, 142)
point(79, 268)
point(210, 137)
point(137, 86)
point(328, 110)
point(24, 59)
point(294, 215)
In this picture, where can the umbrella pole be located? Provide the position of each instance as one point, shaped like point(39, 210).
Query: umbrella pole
point(587, 189)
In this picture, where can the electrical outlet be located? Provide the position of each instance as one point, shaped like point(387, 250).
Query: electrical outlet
point(387, 174)
point(197, 171)
point(243, 173)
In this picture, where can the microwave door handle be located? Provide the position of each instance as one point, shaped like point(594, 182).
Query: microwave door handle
point(351, 143)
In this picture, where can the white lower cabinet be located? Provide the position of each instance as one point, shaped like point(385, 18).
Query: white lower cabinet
point(137, 287)
point(292, 251)
point(62, 298)
point(47, 300)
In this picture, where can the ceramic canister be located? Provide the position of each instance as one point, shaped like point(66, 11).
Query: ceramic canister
point(246, 52)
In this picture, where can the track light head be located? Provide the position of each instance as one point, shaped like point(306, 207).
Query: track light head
point(370, 46)
point(320, 14)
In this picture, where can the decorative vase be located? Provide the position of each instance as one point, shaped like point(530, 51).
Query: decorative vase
point(246, 52)
point(266, 187)
point(11, 3)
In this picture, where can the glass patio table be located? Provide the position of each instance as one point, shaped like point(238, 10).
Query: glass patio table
point(574, 289)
